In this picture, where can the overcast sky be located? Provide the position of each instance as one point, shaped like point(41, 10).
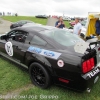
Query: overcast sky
point(50, 7)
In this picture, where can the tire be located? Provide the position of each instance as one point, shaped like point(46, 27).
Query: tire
point(39, 75)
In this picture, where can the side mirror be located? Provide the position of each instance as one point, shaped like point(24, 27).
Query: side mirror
point(3, 37)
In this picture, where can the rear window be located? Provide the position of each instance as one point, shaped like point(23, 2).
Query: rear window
point(62, 36)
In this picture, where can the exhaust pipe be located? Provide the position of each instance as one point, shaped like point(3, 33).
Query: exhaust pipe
point(88, 90)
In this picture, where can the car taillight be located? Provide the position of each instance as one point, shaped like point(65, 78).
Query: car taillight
point(88, 65)
point(92, 62)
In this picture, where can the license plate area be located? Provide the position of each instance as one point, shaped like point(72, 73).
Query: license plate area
point(93, 73)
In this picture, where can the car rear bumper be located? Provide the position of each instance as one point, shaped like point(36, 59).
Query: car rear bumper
point(92, 73)
point(92, 77)
point(83, 82)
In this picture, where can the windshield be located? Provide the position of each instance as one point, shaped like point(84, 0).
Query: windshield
point(62, 36)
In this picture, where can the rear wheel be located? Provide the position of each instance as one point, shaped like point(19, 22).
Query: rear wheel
point(39, 75)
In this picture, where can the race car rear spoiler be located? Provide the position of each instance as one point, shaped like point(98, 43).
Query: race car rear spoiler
point(90, 44)
point(93, 41)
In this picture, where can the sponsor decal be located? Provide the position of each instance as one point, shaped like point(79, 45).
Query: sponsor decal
point(80, 47)
point(60, 63)
point(44, 52)
point(9, 48)
point(93, 73)
point(34, 49)
point(49, 53)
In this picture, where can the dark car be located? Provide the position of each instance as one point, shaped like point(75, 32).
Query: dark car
point(20, 23)
point(42, 16)
point(50, 56)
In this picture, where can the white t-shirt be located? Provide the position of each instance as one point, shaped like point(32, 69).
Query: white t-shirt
point(77, 27)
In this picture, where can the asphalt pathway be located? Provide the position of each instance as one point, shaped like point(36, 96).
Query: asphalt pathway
point(4, 26)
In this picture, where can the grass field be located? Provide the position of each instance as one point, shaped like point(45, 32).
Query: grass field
point(13, 78)
point(36, 20)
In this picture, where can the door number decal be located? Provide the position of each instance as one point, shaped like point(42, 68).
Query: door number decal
point(9, 48)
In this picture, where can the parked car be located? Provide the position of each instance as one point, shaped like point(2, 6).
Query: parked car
point(83, 23)
point(20, 23)
point(72, 23)
point(41, 16)
point(44, 51)
point(72, 18)
point(66, 18)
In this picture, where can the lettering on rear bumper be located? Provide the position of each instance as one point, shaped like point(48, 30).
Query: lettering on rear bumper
point(93, 73)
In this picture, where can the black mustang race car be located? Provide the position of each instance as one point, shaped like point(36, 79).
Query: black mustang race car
point(53, 55)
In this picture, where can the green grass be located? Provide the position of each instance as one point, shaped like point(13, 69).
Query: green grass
point(58, 93)
point(36, 20)
point(15, 19)
point(12, 78)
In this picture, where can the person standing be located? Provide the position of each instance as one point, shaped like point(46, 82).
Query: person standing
point(77, 27)
point(60, 23)
point(97, 26)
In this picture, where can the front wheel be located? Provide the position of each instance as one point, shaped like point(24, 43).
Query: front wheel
point(39, 75)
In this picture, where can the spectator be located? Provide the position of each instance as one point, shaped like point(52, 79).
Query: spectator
point(97, 26)
point(16, 14)
point(60, 23)
point(77, 27)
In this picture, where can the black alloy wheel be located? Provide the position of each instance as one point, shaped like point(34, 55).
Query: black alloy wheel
point(39, 75)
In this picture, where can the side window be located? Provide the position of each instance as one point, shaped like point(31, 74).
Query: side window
point(38, 41)
point(19, 36)
point(10, 35)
